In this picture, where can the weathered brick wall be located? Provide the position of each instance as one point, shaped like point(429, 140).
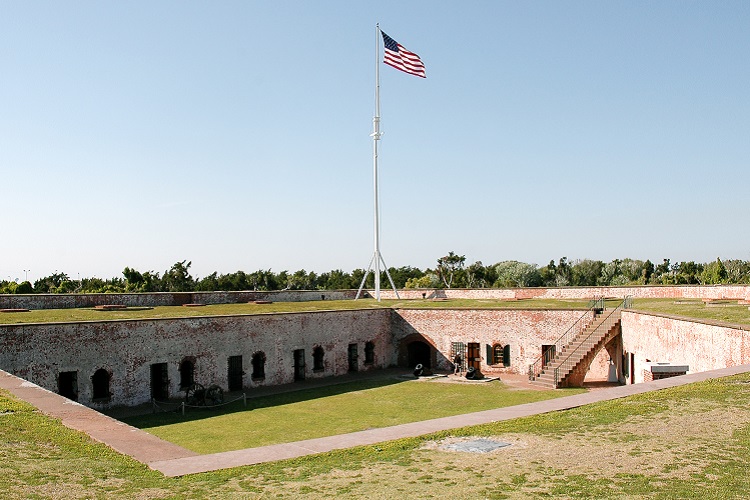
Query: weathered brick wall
point(524, 330)
point(74, 300)
point(646, 292)
point(700, 345)
point(63, 301)
point(126, 349)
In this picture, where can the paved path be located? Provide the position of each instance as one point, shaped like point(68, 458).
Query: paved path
point(175, 461)
point(136, 443)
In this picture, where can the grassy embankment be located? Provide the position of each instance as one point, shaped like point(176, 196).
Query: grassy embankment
point(91, 314)
point(687, 442)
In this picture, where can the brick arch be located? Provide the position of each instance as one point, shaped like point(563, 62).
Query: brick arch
point(611, 343)
point(403, 349)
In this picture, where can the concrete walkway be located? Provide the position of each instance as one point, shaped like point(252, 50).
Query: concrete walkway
point(173, 460)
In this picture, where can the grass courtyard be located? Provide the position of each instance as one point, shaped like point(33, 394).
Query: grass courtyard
point(331, 410)
point(687, 442)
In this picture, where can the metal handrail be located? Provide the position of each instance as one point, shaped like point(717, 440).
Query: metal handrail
point(566, 365)
point(535, 369)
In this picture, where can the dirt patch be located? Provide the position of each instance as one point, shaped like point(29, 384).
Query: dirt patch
point(673, 445)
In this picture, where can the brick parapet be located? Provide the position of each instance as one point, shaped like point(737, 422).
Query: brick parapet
point(65, 301)
point(702, 345)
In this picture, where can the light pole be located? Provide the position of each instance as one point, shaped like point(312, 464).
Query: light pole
point(26, 272)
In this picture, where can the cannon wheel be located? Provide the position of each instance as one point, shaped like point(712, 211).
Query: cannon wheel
point(195, 395)
point(214, 395)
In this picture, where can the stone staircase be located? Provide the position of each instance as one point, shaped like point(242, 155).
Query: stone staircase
point(574, 353)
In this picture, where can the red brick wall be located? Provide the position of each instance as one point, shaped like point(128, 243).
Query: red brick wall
point(700, 345)
point(524, 330)
point(39, 352)
point(655, 292)
point(62, 301)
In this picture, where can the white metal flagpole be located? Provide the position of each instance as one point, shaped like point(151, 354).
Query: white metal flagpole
point(377, 258)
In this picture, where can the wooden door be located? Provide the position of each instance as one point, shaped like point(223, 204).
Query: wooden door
point(473, 357)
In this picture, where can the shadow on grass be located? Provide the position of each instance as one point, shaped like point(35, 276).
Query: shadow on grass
point(266, 401)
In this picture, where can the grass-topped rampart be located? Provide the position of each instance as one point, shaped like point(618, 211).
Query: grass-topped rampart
point(720, 311)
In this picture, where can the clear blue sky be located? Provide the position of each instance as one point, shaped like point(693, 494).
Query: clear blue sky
point(236, 134)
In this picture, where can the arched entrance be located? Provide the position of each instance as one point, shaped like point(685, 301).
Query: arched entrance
point(419, 353)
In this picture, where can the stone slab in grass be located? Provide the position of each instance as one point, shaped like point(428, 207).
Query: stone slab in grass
point(478, 445)
point(110, 307)
point(13, 310)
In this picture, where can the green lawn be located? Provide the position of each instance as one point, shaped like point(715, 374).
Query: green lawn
point(729, 312)
point(723, 312)
point(687, 442)
point(91, 314)
point(327, 411)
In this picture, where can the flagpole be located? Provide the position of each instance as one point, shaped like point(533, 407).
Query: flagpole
point(375, 139)
point(377, 258)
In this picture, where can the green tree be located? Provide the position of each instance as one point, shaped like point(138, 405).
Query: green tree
point(50, 283)
point(178, 279)
point(264, 280)
point(429, 280)
point(586, 272)
point(138, 282)
point(234, 282)
point(738, 271)
point(449, 268)
point(401, 275)
point(336, 280)
point(209, 283)
point(559, 274)
point(548, 273)
point(512, 273)
point(480, 276)
point(714, 273)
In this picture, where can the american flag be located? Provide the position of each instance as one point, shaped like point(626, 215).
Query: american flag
point(400, 58)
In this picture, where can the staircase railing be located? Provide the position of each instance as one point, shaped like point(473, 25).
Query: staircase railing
point(568, 363)
point(535, 369)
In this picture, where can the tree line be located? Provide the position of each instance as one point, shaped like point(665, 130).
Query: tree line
point(450, 271)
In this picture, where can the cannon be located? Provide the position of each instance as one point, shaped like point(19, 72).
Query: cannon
point(474, 374)
point(197, 395)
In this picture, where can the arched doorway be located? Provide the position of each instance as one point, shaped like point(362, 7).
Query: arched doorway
point(419, 352)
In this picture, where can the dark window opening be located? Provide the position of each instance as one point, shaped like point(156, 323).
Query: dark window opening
point(299, 364)
point(234, 373)
point(353, 357)
point(419, 353)
point(187, 373)
point(67, 385)
point(369, 353)
point(100, 382)
point(506, 355)
point(259, 366)
point(159, 381)
point(318, 362)
point(548, 354)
